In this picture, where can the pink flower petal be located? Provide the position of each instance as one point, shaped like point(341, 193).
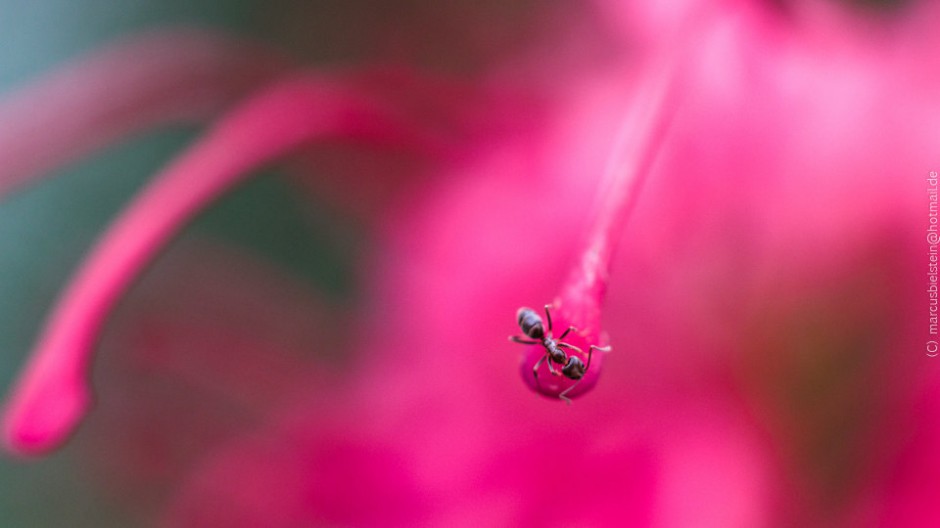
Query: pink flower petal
point(52, 395)
point(143, 81)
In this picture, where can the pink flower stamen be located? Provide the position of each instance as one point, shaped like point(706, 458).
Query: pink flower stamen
point(577, 351)
point(53, 395)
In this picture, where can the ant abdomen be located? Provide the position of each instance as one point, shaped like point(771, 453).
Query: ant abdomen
point(530, 323)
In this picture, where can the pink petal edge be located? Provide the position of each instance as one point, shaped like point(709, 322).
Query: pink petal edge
point(53, 394)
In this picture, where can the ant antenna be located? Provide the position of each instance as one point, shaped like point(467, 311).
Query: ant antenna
point(548, 317)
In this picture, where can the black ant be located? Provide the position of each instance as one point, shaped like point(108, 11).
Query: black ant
point(574, 368)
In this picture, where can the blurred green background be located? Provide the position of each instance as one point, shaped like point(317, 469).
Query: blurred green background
point(46, 229)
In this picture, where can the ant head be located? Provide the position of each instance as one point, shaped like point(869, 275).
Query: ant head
point(574, 369)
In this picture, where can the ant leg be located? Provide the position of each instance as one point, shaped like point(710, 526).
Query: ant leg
point(563, 396)
point(571, 347)
point(522, 340)
point(591, 353)
point(548, 315)
point(535, 370)
point(570, 329)
point(550, 367)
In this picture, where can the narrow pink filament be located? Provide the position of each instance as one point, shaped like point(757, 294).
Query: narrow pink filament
point(53, 393)
point(640, 141)
point(582, 295)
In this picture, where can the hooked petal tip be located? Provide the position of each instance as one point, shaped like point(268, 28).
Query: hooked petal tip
point(42, 416)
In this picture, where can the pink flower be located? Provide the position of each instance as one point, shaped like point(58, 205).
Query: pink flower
point(766, 170)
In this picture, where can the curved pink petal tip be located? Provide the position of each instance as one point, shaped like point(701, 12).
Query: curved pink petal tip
point(52, 395)
point(44, 413)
